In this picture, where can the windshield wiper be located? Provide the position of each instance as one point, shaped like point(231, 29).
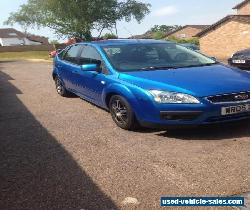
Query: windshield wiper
point(176, 67)
point(206, 64)
point(158, 67)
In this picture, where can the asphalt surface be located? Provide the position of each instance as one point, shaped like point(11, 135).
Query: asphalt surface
point(65, 153)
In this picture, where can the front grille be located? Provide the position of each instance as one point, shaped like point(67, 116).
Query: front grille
point(241, 57)
point(233, 97)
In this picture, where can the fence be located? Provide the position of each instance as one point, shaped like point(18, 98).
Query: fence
point(23, 48)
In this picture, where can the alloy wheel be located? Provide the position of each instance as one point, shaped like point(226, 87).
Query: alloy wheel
point(119, 111)
point(59, 87)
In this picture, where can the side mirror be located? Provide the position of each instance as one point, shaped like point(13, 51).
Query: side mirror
point(214, 58)
point(89, 67)
point(59, 50)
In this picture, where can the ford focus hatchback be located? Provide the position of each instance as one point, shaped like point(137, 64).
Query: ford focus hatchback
point(153, 83)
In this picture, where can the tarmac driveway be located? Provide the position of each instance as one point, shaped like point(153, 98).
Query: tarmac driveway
point(65, 153)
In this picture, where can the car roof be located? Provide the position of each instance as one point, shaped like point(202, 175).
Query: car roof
point(246, 51)
point(127, 42)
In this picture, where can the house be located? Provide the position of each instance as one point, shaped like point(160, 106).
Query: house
point(187, 32)
point(243, 8)
point(13, 37)
point(228, 35)
point(40, 39)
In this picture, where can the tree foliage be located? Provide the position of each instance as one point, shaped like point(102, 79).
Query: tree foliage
point(158, 35)
point(164, 28)
point(54, 42)
point(109, 36)
point(77, 18)
point(193, 40)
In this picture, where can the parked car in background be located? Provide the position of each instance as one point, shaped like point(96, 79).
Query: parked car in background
point(153, 83)
point(191, 46)
point(241, 59)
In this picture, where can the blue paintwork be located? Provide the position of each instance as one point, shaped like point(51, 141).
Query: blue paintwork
point(197, 81)
point(89, 67)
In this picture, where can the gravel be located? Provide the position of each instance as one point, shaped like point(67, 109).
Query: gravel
point(65, 153)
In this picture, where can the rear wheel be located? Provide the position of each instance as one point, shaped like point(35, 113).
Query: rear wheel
point(122, 113)
point(60, 89)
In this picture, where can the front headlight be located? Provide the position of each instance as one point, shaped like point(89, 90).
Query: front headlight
point(173, 98)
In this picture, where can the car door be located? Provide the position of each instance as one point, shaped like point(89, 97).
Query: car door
point(94, 82)
point(70, 68)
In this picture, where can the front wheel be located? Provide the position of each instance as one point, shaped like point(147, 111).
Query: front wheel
point(122, 113)
point(60, 89)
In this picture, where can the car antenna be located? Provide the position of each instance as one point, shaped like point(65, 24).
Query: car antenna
point(130, 33)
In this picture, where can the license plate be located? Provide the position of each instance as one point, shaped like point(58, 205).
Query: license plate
point(239, 61)
point(235, 109)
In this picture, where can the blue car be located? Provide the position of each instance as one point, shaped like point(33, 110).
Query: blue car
point(191, 46)
point(153, 83)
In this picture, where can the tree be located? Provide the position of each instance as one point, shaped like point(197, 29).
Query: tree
point(158, 32)
point(54, 42)
point(193, 40)
point(164, 28)
point(109, 36)
point(158, 35)
point(77, 18)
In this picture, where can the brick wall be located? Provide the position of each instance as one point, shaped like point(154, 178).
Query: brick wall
point(230, 37)
point(188, 31)
point(245, 10)
point(23, 48)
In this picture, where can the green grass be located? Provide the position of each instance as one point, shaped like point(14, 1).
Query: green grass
point(24, 55)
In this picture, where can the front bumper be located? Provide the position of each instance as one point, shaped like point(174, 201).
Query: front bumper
point(181, 124)
point(186, 115)
point(243, 66)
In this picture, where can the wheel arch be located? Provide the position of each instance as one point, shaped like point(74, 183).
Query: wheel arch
point(108, 97)
point(117, 89)
point(54, 75)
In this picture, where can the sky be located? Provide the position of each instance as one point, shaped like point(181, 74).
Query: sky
point(163, 12)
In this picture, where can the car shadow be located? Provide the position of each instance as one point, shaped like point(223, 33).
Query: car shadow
point(210, 132)
point(36, 172)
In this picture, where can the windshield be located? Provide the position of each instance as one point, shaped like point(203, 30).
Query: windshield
point(191, 46)
point(141, 56)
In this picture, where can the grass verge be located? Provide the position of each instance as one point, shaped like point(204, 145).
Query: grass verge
point(44, 55)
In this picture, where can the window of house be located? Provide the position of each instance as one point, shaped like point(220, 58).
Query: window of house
point(12, 34)
point(182, 36)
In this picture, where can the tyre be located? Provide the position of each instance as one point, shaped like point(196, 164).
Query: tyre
point(122, 113)
point(60, 89)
